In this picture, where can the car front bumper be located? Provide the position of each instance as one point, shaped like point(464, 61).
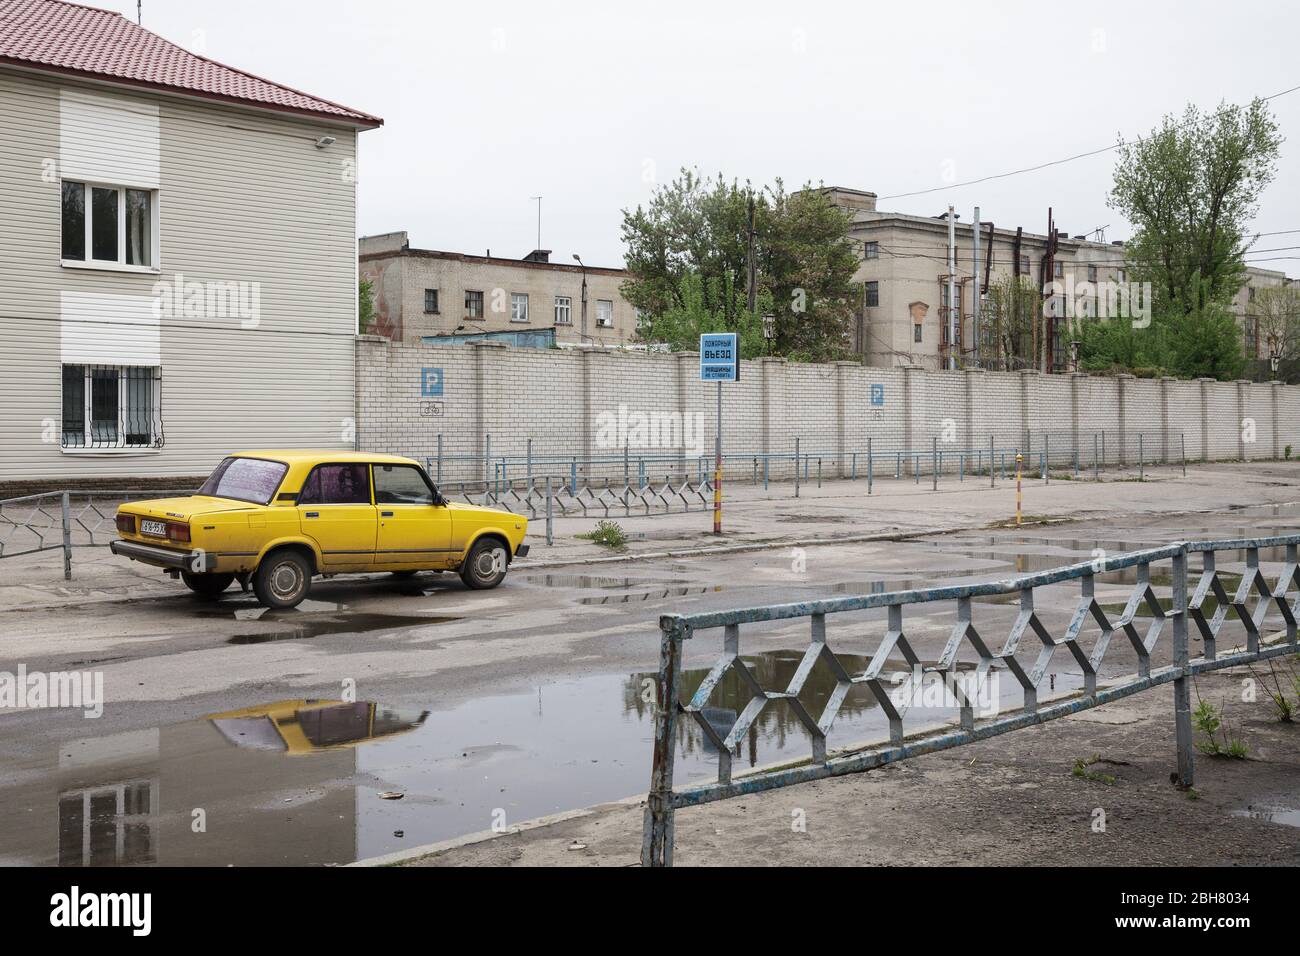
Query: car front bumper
point(521, 551)
point(196, 562)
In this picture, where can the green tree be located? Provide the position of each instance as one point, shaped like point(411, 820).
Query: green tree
point(680, 326)
point(1190, 189)
point(1013, 305)
point(688, 254)
point(365, 305)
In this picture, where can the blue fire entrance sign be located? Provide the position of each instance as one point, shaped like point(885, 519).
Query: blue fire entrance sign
point(720, 357)
point(719, 362)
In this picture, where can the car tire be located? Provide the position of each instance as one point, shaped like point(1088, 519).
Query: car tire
point(283, 580)
point(209, 587)
point(486, 565)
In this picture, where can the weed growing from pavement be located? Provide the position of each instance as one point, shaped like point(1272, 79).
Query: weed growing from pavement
point(1210, 721)
point(1277, 695)
point(607, 533)
point(1082, 771)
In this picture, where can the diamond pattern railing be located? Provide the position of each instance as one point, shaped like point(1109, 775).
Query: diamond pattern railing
point(64, 520)
point(1145, 621)
point(569, 498)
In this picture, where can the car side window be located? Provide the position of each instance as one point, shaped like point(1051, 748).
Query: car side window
point(401, 485)
point(336, 485)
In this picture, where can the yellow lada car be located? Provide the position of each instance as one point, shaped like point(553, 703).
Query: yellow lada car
point(276, 519)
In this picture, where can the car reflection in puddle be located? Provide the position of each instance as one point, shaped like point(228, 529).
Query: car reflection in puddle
point(299, 782)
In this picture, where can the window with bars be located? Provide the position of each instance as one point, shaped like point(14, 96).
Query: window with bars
point(871, 250)
point(873, 294)
point(474, 305)
point(430, 301)
point(112, 406)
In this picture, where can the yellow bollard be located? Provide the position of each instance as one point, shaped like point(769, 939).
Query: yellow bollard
point(1019, 460)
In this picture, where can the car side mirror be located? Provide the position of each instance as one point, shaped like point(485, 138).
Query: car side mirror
point(438, 500)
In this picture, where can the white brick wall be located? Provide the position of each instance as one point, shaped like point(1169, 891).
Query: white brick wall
point(559, 399)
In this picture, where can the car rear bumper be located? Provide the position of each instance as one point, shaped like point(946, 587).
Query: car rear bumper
point(196, 562)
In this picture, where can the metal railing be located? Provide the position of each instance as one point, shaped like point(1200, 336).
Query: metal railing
point(800, 458)
point(1143, 635)
point(64, 520)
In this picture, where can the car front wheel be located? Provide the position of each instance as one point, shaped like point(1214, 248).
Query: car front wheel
point(207, 586)
point(486, 565)
point(282, 580)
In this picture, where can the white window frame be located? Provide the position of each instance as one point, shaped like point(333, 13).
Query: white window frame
point(120, 264)
point(88, 445)
point(608, 323)
point(563, 310)
point(516, 300)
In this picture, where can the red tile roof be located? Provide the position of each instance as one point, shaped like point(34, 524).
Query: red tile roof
point(87, 41)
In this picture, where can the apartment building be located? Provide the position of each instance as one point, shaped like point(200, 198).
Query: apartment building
point(904, 275)
point(428, 295)
point(178, 272)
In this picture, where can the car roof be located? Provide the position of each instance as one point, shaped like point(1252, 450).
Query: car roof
point(297, 456)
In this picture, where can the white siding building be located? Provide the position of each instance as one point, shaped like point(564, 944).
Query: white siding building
point(178, 275)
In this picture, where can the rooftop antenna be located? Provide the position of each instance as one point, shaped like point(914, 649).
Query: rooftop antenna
point(538, 200)
point(139, 12)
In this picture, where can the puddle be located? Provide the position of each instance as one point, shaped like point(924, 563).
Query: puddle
point(300, 782)
point(588, 583)
point(305, 627)
point(1281, 815)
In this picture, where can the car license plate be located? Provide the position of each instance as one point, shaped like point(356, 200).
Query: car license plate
point(157, 529)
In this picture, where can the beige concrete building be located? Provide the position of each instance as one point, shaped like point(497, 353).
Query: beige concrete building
point(424, 294)
point(901, 319)
point(178, 279)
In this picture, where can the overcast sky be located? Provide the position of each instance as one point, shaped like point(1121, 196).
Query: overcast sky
point(586, 104)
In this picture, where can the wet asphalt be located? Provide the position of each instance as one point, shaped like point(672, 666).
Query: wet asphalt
point(387, 713)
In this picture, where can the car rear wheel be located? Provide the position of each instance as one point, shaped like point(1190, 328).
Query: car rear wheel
point(207, 586)
point(283, 580)
point(486, 565)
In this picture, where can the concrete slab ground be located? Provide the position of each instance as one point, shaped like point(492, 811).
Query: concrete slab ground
point(1011, 801)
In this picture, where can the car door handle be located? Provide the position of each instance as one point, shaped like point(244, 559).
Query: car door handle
point(312, 514)
point(385, 514)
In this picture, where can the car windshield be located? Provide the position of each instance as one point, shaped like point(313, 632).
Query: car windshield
point(245, 479)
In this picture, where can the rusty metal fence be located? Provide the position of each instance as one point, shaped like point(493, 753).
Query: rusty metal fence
point(1208, 608)
point(62, 520)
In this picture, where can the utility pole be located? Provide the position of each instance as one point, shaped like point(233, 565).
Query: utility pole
point(953, 308)
point(753, 266)
point(975, 231)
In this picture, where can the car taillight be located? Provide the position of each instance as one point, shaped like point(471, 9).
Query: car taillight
point(178, 532)
point(126, 524)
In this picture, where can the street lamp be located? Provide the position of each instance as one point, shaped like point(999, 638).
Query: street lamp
point(578, 259)
point(769, 330)
point(1274, 355)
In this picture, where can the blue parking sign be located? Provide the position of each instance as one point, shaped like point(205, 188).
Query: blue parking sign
point(720, 357)
point(430, 383)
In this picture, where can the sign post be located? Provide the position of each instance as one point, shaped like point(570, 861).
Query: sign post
point(719, 362)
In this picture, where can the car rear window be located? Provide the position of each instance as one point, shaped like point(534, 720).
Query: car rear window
point(245, 479)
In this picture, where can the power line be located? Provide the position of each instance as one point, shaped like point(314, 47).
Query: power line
point(1040, 166)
